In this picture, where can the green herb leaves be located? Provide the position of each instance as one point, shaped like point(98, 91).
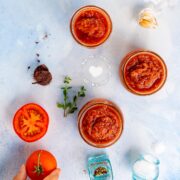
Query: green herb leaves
point(67, 80)
point(81, 92)
point(68, 106)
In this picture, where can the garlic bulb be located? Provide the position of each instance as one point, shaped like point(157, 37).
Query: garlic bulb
point(147, 18)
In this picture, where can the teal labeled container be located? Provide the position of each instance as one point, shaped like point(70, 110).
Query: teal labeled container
point(99, 168)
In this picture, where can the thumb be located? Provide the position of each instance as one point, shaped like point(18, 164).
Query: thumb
point(21, 175)
point(54, 175)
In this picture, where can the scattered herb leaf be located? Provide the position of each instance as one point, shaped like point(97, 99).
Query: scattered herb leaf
point(67, 80)
point(45, 36)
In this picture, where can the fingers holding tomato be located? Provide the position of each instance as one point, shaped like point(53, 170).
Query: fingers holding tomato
point(54, 175)
point(31, 122)
point(40, 164)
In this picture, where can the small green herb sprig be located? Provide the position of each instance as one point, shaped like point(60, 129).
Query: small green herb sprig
point(70, 107)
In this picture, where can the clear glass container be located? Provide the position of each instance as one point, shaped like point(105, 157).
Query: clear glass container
point(100, 162)
point(96, 71)
point(146, 168)
point(100, 123)
point(161, 5)
point(143, 70)
point(92, 26)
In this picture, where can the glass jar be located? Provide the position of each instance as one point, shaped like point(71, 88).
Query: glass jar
point(143, 72)
point(91, 26)
point(100, 123)
point(146, 168)
point(99, 167)
point(96, 70)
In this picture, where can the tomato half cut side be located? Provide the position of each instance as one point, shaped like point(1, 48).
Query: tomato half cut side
point(31, 122)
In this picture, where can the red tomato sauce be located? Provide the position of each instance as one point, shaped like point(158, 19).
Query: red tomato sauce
point(144, 72)
point(91, 26)
point(101, 124)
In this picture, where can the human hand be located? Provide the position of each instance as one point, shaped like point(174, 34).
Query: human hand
point(22, 175)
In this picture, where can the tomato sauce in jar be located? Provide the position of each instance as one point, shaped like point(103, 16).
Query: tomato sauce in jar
point(91, 26)
point(144, 72)
point(100, 123)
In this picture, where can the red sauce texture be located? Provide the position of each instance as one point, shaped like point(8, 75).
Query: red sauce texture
point(144, 72)
point(91, 27)
point(101, 124)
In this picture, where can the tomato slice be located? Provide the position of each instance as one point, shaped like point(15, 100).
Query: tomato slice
point(31, 122)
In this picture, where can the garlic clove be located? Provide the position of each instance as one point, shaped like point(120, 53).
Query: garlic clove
point(147, 19)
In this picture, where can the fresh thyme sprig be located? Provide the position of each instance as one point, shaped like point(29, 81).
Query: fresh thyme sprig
point(68, 106)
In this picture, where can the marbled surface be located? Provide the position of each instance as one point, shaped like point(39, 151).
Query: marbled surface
point(148, 119)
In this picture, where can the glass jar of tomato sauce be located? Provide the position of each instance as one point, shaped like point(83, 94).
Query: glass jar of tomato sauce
point(100, 123)
point(91, 26)
point(143, 72)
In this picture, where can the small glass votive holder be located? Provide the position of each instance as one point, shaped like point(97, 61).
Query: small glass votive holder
point(146, 168)
point(96, 70)
point(99, 168)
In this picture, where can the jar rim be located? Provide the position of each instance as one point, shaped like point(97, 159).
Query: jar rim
point(151, 158)
point(102, 11)
point(95, 102)
point(128, 58)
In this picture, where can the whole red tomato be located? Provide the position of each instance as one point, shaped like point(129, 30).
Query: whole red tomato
point(40, 164)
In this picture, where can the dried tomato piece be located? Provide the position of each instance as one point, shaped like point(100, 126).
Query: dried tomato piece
point(42, 75)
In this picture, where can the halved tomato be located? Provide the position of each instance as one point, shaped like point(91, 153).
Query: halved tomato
point(31, 122)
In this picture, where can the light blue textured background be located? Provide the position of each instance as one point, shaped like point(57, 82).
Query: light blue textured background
point(147, 119)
